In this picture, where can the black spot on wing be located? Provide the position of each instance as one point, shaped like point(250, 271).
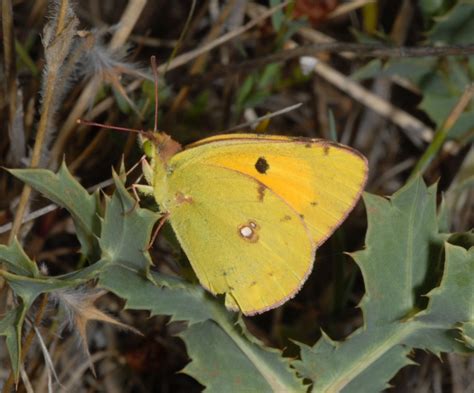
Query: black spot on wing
point(262, 165)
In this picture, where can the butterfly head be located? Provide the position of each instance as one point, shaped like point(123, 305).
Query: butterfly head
point(158, 145)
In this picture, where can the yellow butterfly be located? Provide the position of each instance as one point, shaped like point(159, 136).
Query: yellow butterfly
point(251, 210)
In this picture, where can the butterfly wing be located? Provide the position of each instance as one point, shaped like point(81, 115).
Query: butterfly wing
point(249, 211)
point(258, 252)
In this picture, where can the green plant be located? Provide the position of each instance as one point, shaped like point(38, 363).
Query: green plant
point(419, 292)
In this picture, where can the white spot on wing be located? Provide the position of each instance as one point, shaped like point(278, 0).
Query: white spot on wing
point(246, 232)
point(249, 231)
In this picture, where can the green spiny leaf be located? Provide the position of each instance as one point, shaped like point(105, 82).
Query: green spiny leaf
point(181, 300)
point(16, 260)
point(455, 27)
point(252, 364)
point(28, 289)
point(467, 334)
point(236, 364)
point(400, 264)
point(65, 191)
point(10, 328)
point(333, 367)
point(402, 253)
point(126, 231)
point(450, 306)
point(453, 300)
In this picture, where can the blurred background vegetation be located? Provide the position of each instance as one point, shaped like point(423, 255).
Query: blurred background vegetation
point(221, 64)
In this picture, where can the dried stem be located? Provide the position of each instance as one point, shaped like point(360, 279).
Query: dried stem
point(59, 46)
point(46, 113)
point(200, 62)
point(62, 14)
point(184, 31)
point(341, 48)
point(191, 55)
point(126, 24)
point(9, 60)
point(442, 133)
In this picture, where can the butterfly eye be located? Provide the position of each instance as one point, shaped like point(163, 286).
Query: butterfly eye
point(148, 148)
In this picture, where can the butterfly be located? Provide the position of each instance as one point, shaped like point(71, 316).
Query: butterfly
point(250, 210)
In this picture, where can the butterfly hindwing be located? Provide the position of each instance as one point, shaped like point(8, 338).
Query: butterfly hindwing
point(241, 238)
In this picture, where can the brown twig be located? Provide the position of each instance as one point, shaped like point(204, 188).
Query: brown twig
point(356, 50)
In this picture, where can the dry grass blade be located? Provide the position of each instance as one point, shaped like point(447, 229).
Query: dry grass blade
point(350, 6)
point(125, 26)
point(9, 60)
point(414, 129)
point(127, 23)
point(80, 310)
point(48, 361)
point(264, 117)
point(442, 133)
point(26, 381)
point(58, 36)
point(188, 56)
point(79, 371)
point(200, 62)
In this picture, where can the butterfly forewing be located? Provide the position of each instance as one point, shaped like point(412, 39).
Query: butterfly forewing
point(321, 180)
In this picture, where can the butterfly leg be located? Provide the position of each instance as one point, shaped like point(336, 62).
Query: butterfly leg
point(157, 230)
point(142, 189)
point(139, 162)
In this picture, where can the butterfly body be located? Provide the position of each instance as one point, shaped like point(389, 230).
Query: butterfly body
point(250, 210)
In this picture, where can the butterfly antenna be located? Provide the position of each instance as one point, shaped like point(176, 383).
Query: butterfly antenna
point(108, 126)
point(155, 78)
